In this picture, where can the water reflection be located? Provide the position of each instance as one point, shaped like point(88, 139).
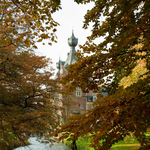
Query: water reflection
point(37, 145)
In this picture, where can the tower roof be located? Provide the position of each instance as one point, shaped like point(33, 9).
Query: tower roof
point(70, 59)
point(72, 42)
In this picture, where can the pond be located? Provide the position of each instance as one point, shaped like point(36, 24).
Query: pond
point(38, 145)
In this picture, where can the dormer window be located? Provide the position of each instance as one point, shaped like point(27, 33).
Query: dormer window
point(78, 92)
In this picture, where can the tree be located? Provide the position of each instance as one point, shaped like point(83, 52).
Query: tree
point(27, 105)
point(127, 109)
point(27, 22)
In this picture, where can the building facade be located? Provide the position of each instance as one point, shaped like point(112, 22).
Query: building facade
point(81, 101)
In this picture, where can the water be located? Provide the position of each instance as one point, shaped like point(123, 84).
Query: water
point(37, 145)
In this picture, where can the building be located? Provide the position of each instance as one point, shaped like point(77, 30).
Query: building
point(82, 101)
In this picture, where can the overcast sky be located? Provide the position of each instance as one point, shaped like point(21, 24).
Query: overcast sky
point(70, 17)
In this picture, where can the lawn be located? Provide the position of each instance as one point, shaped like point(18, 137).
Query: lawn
point(129, 143)
point(133, 147)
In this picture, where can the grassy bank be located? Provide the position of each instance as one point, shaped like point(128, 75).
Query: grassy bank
point(129, 143)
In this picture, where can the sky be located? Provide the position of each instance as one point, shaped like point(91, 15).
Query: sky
point(70, 17)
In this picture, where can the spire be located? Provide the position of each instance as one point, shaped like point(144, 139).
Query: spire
point(72, 42)
point(58, 64)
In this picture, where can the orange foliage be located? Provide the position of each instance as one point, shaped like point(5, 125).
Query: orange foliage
point(27, 97)
point(122, 52)
point(28, 22)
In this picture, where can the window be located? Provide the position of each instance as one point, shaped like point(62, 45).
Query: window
point(78, 92)
point(94, 98)
point(91, 98)
point(78, 88)
point(81, 107)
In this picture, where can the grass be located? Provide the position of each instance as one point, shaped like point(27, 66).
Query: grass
point(129, 143)
point(125, 148)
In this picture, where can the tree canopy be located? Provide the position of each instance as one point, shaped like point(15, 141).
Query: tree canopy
point(27, 105)
point(126, 33)
point(121, 30)
point(27, 90)
point(28, 22)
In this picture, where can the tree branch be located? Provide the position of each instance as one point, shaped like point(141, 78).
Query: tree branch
point(21, 10)
point(7, 45)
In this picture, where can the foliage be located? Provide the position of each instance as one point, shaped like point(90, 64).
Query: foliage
point(121, 30)
point(27, 22)
point(27, 105)
point(105, 123)
point(128, 142)
point(126, 41)
point(82, 143)
point(125, 148)
point(138, 71)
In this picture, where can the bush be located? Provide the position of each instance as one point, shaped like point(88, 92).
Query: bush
point(82, 143)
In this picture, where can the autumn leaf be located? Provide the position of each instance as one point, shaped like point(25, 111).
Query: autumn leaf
point(23, 20)
point(27, 105)
point(118, 65)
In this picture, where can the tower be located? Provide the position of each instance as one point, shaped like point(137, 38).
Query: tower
point(81, 101)
point(72, 42)
point(59, 66)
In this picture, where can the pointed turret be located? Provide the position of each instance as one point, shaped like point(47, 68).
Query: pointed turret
point(72, 42)
point(59, 66)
